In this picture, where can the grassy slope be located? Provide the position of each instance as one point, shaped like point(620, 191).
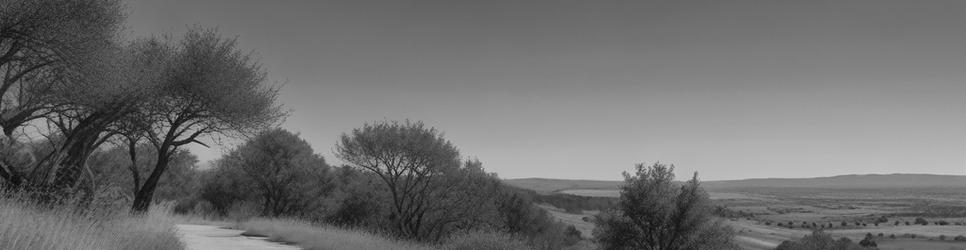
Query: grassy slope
point(29, 227)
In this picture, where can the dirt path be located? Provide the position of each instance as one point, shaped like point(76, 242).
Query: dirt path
point(204, 237)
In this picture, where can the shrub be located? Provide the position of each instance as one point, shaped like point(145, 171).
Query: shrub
point(960, 238)
point(942, 237)
point(922, 221)
point(868, 241)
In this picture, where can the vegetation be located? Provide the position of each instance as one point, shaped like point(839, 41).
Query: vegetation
point(654, 212)
point(821, 240)
point(27, 225)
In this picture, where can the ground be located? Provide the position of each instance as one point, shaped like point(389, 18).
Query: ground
point(756, 212)
point(207, 237)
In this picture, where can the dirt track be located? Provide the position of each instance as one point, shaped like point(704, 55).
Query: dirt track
point(204, 237)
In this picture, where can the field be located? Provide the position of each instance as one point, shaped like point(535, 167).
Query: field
point(755, 213)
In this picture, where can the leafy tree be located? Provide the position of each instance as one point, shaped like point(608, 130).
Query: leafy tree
point(286, 173)
point(430, 191)
point(654, 212)
point(42, 43)
point(113, 167)
point(210, 88)
point(59, 60)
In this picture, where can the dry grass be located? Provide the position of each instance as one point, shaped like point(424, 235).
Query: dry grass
point(309, 236)
point(313, 236)
point(25, 226)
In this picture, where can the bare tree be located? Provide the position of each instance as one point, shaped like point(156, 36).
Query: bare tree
point(656, 213)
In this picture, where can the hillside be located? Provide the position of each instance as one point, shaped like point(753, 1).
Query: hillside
point(842, 181)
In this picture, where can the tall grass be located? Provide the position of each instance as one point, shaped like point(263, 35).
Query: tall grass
point(319, 237)
point(24, 225)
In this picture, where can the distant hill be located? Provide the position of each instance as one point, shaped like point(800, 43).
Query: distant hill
point(543, 185)
point(849, 181)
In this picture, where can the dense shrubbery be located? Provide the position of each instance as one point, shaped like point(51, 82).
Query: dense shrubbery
point(461, 198)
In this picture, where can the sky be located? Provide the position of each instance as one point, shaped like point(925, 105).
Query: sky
point(586, 89)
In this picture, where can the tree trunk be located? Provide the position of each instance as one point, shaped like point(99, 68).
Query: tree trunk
point(142, 201)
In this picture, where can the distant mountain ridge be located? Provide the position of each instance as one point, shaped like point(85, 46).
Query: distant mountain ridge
point(545, 185)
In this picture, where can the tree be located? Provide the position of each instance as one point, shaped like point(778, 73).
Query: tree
point(42, 42)
point(654, 212)
point(113, 167)
point(53, 55)
point(287, 173)
point(430, 191)
point(210, 88)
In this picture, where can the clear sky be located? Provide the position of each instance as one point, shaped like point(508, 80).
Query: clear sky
point(585, 89)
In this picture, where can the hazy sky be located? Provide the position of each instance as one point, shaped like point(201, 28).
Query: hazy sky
point(585, 89)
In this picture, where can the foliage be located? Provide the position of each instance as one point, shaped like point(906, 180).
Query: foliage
point(209, 87)
point(286, 173)
point(431, 191)
point(820, 240)
point(654, 212)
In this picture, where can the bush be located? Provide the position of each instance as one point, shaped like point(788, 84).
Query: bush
point(868, 241)
point(960, 238)
point(922, 221)
point(942, 237)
